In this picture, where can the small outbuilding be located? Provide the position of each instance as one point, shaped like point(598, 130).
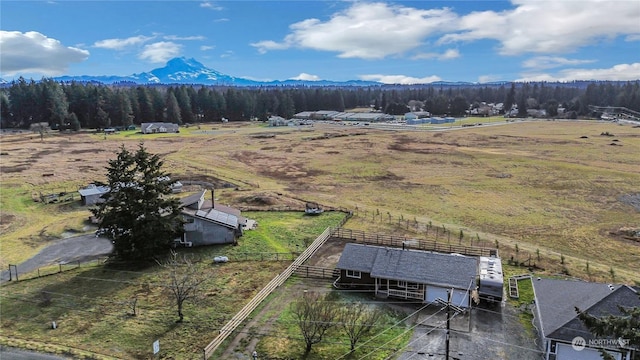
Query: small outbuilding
point(209, 224)
point(408, 274)
point(93, 194)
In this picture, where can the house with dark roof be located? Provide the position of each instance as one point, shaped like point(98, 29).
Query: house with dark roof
point(408, 274)
point(208, 223)
point(563, 336)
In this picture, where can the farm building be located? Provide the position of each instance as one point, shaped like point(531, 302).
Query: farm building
point(419, 121)
point(92, 194)
point(159, 127)
point(208, 223)
point(408, 274)
point(343, 116)
point(558, 324)
point(277, 121)
point(417, 115)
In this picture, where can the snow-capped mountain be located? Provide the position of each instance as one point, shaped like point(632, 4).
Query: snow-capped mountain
point(189, 71)
point(182, 70)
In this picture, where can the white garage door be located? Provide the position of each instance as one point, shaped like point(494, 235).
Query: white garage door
point(434, 293)
point(566, 352)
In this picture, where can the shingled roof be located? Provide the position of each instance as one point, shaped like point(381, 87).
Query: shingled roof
point(557, 299)
point(414, 266)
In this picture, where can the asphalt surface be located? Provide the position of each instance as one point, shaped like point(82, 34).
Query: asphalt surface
point(7, 353)
point(78, 248)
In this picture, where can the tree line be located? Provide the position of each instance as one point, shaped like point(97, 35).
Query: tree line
point(76, 105)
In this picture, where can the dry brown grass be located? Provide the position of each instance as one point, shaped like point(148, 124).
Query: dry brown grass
point(537, 184)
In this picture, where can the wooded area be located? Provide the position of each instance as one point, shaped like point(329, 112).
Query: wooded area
point(89, 105)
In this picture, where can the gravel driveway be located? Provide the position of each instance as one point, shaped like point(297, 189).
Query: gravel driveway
point(77, 248)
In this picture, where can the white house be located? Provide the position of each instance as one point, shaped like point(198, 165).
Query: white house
point(159, 127)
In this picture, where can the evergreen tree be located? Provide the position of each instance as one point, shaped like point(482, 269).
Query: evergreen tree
point(173, 109)
point(6, 118)
point(625, 327)
point(138, 214)
point(510, 100)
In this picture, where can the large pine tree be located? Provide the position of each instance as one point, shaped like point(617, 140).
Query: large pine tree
point(139, 214)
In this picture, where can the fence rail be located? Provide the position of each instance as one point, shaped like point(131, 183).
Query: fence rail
point(316, 272)
point(408, 243)
point(237, 319)
point(264, 256)
point(15, 274)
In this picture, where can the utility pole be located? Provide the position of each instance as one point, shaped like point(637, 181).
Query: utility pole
point(449, 306)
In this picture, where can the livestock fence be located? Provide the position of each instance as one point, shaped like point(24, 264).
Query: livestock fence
point(264, 256)
point(16, 274)
point(317, 272)
point(237, 319)
point(359, 236)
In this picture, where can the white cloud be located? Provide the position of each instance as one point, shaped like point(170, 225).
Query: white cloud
point(207, 47)
point(447, 55)
point(211, 5)
point(221, 20)
point(633, 37)
point(119, 44)
point(620, 72)
point(267, 45)
point(306, 77)
point(487, 78)
point(33, 52)
point(549, 62)
point(399, 79)
point(366, 31)
point(184, 38)
point(160, 52)
point(227, 54)
point(549, 26)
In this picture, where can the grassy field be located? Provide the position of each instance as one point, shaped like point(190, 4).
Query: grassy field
point(390, 334)
point(92, 305)
point(554, 188)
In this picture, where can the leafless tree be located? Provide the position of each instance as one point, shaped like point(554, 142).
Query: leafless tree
point(184, 280)
point(315, 316)
point(357, 320)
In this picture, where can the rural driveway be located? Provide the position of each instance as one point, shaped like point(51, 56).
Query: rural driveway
point(7, 353)
point(77, 248)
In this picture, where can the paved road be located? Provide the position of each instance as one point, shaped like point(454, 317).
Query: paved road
point(77, 248)
point(7, 353)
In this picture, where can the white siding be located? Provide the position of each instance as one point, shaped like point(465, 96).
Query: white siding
point(566, 352)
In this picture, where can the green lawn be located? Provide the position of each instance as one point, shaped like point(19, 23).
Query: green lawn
point(91, 305)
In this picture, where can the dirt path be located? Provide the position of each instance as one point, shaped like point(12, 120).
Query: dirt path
point(247, 339)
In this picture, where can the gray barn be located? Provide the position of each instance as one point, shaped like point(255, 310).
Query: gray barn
point(209, 224)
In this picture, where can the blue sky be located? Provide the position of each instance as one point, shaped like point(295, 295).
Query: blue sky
point(392, 42)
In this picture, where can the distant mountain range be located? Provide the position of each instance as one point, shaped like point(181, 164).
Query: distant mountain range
point(189, 71)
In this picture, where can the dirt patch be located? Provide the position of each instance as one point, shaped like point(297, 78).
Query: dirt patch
point(86, 151)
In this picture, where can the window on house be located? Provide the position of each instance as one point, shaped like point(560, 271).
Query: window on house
point(354, 274)
point(402, 284)
point(190, 220)
point(413, 286)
